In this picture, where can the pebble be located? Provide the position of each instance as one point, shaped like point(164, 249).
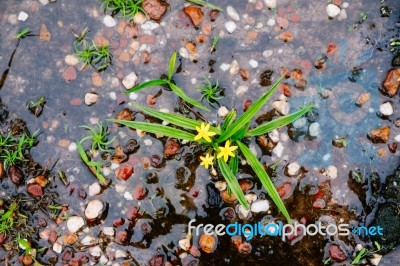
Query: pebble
point(220, 185)
point(103, 259)
point(139, 18)
point(224, 67)
point(282, 107)
point(184, 52)
point(91, 98)
point(278, 150)
point(314, 130)
point(233, 13)
point(234, 68)
point(331, 172)
point(109, 21)
point(150, 25)
point(300, 123)
point(332, 10)
point(253, 63)
point(260, 206)
point(270, 3)
point(242, 89)
point(88, 241)
point(148, 142)
point(94, 189)
point(130, 80)
point(271, 22)
point(274, 135)
point(57, 248)
point(345, 5)
point(342, 15)
point(267, 53)
point(184, 244)
point(223, 111)
point(22, 16)
point(386, 109)
point(133, 96)
point(44, 2)
point(95, 251)
point(94, 209)
point(251, 197)
point(397, 138)
point(244, 213)
point(230, 26)
point(75, 223)
point(293, 169)
point(71, 60)
point(376, 259)
point(120, 254)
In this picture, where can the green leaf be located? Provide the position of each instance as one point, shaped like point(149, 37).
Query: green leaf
point(230, 117)
point(377, 246)
point(249, 114)
point(177, 120)
point(150, 83)
point(24, 243)
point(241, 132)
point(8, 214)
point(264, 178)
point(234, 164)
point(359, 256)
point(171, 66)
point(279, 122)
point(205, 4)
point(156, 129)
point(232, 183)
point(95, 167)
point(178, 91)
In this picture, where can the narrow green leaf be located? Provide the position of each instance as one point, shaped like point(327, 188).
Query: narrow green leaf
point(241, 132)
point(171, 66)
point(359, 256)
point(95, 167)
point(279, 122)
point(9, 212)
point(249, 114)
point(230, 117)
point(156, 129)
point(178, 91)
point(150, 83)
point(232, 183)
point(234, 164)
point(264, 178)
point(205, 4)
point(177, 120)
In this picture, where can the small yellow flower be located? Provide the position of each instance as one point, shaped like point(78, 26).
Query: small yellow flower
point(207, 161)
point(204, 133)
point(226, 151)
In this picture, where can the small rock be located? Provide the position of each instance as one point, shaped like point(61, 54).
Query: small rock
point(94, 209)
point(267, 53)
point(35, 190)
point(260, 206)
point(293, 169)
point(125, 114)
point(22, 16)
point(336, 253)
point(332, 10)
point(16, 175)
point(88, 241)
point(386, 109)
point(244, 73)
point(133, 213)
point(140, 192)
point(274, 135)
point(69, 74)
point(109, 21)
point(380, 135)
point(234, 68)
point(97, 80)
point(57, 248)
point(363, 98)
point(286, 36)
point(130, 80)
point(253, 63)
point(108, 231)
point(27, 260)
point(330, 172)
point(172, 147)
point(155, 9)
point(223, 111)
point(220, 185)
point(70, 238)
point(208, 243)
point(94, 189)
point(242, 89)
point(195, 14)
point(44, 34)
point(75, 223)
point(270, 3)
point(139, 19)
point(95, 251)
point(230, 26)
point(342, 15)
point(391, 82)
point(124, 172)
point(314, 130)
point(150, 25)
point(376, 259)
point(282, 107)
point(233, 13)
point(91, 98)
point(184, 244)
point(71, 60)
point(278, 150)
point(251, 197)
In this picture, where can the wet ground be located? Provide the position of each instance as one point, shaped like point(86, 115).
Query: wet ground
point(178, 190)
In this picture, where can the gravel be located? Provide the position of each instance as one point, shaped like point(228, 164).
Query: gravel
point(386, 109)
point(75, 223)
point(109, 21)
point(94, 209)
point(260, 206)
point(270, 3)
point(233, 13)
point(94, 189)
point(332, 10)
point(130, 80)
point(91, 98)
point(293, 169)
point(253, 63)
point(222, 111)
point(230, 26)
point(282, 107)
point(22, 16)
point(314, 130)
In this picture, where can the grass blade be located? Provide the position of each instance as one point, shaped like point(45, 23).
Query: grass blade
point(279, 122)
point(249, 114)
point(151, 83)
point(177, 120)
point(158, 129)
point(93, 166)
point(264, 178)
point(229, 119)
point(205, 4)
point(178, 91)
point(233, 183)
point(171, 66)
point(234, 164)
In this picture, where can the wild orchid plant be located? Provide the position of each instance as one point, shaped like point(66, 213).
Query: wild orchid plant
point(223, 142)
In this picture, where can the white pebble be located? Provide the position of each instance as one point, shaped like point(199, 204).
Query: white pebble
point(91, 98)
point(184, 244)
point(95, 251)
point(234, 68)
point(331, 172)
point(148, 142)
point(75, 223)
point(242, 89)
point(230, 26)
point(376, 259)
point(293, 169)
point(130, 80)
point(253, 63)
point(71, 60)
point(94, 209)
point(88, 241)
point(345, 5)
point(128, 195)
point(314, 130)
point(113, 95)
point(271, 22)
point(120, 254)
point(220, 185)
point(224, 67)
point(150, 25)
point(278, 150)
point(282, 107)
point(139, 18)
point(184, 52)
point(243, 211)
point(274, 135)
point(260, 206)
point(397, 138)
point(133, 96)
point(22, 16)
point(57, 248)
point(108, 231)
point(300, 123)
point(109, 21)
point(94, 189)
point(72, 147)
point(103, 259)
point(270, 3)
point(251, 197)
point(342, 15)
point(233, 13)
point(332, 10)
point(222, 111)
point(386, 109)
point(267, 53)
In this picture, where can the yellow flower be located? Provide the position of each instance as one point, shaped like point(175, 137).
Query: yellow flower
point(206, 161)
point(204, 133)
point(226, 151)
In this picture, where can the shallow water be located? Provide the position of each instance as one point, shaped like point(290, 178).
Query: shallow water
point(37, 69)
